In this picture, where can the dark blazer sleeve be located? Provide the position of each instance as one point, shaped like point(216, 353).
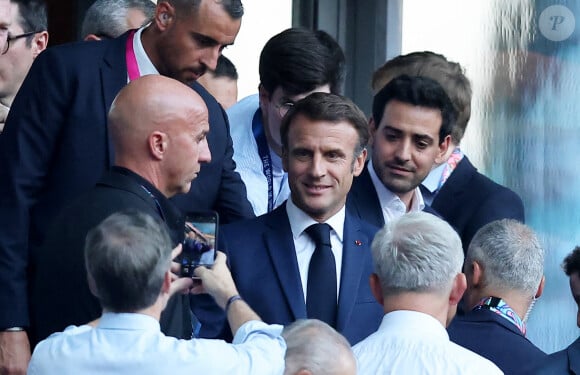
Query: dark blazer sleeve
point(27, 145)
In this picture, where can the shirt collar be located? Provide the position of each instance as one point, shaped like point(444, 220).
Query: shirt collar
point(299, 220)
point(145, 65)
point(388, 198)
point(128, 321)
point(431, 182)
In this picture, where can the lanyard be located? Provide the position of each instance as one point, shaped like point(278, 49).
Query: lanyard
point(264, 153)
point(132, 66)
point(498, 306)
point(157, 205)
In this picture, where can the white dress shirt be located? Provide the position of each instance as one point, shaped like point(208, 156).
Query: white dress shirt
point(248, 162)
point(143, 61)
point(133, 344)
point(392, 206)
point(305, 246)
point(410, 342)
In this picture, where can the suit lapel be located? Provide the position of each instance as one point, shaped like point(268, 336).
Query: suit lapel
point(364, 201)
point(280, 246)
point(354, 243)
point(113, 77)
point(446, 200)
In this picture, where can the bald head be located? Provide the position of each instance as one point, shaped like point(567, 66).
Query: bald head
point(158, 127)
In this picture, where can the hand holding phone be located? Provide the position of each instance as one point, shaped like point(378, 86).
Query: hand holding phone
point(199, 244)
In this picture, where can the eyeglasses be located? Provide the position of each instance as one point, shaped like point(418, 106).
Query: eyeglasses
point(11, 38)
point(283, 108)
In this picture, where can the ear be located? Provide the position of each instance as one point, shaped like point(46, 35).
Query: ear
point(158, 144)
point(92, 286)
point(264, 96)
point(166, 286)
point(475, 274)
point(541, 287)
point(359, 163)
point(376, 289)
point(91, 37)
point(39, 43)
point(443, 147)
point(457, 290)
point(164, 15)
point(372, 130)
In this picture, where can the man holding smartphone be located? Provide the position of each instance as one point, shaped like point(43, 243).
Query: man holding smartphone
point(158, 127)
point(132, 247)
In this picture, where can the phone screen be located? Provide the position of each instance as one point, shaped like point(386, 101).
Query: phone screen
point(200, 239)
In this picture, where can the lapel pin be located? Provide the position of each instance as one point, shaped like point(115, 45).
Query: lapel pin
point(358, 242)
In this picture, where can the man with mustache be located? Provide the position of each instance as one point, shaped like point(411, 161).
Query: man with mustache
point(410, 131)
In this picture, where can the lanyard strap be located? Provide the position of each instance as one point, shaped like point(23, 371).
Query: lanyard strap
point(498, 306)
point(264, 153)
point(132, 66)
point(157, 205)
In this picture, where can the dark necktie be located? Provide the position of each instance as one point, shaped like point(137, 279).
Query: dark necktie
point(321, 285)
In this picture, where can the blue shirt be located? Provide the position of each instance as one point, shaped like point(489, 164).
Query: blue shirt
point(134, 344)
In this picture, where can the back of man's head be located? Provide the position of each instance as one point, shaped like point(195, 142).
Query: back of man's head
point(127, 256)
point(417, 91)
point(510, 257)
point(418, 252)
point(301, 60)
point(111, 18)
point(315, 348)
point(448, 74)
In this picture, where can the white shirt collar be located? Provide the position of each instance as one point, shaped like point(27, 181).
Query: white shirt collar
point(145, 65)
point(431, 182)
point(299, 220)
point(389, 199)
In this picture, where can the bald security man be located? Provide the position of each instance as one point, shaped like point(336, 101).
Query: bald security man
point(158, 127)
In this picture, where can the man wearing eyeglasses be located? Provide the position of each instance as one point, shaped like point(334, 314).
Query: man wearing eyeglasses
point(293, 64)
point(27, 38)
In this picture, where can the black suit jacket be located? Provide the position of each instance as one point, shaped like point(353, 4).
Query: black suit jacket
point(264, 266)
point(60, 295)
point(55, 147)
point(495, 338)
point(564, 362)
point(363, 200)
point(468, 200)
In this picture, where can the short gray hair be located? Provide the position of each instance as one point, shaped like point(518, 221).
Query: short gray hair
point(314, 346)
point(510, 254)
point(109, 17)
point(418, 252)
point(127, 256)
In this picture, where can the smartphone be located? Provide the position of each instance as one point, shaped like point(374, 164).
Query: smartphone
point(201, 231)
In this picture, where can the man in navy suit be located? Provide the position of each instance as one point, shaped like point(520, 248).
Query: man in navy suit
point(410, 129)
point(272, 257)
point(55, 145)
point(463, 197)
point(504, 268)
point(566, 361)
